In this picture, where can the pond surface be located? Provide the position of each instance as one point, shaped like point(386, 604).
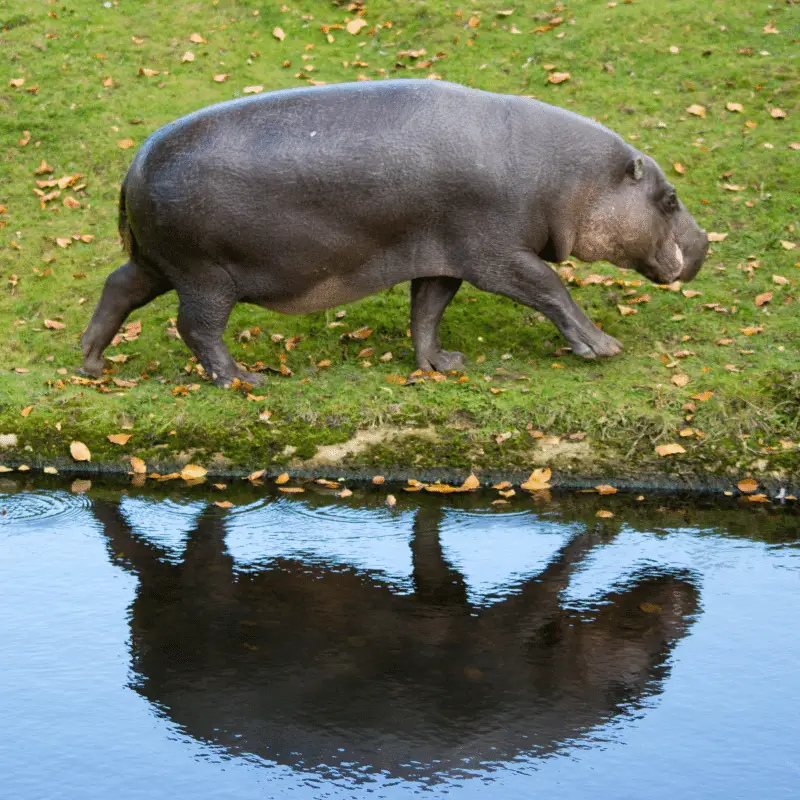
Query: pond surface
point(313, 647)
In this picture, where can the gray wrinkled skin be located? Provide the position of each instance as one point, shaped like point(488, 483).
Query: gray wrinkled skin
point(304, 199)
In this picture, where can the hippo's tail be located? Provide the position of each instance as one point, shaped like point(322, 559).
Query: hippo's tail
point(124, 228)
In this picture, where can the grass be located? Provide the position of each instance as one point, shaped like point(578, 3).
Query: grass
point(82, 59)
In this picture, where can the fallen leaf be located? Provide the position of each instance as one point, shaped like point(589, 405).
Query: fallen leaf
point(282, 478)
point(669, 450)
point(470, 483)
point(602, 514)
point(71, 202)
point(278, 33)
point(777, 113)
point(252, 90)
point(679, 168)
point(138, 466)
point(125, 144)
point(119, 438)
point(391, 500)
point(627, 311)
point(696, 110)
point(291, 489)
point(80, 486)
point(196, 38)
point(16, 82)
point(747, 486)
point(703, 397)
point(604, 488)
point(770, 28)
point(717, 237)
point(763, 299)
point(378, 479)
point(788, 245)
point(780, 280)
point(188, 56)
point(147, 72)
point(732, 187)
point(54, 325)
point(192, 471)
point(221, 77)
point(254, 476)
point(26, 411)
point(344, 493)
point(681, 379)
point(63, 242)
point(43, 168)
point(80, 452)
point(50, 471)
point(651, 608)
point(223, 504)
point(558, 77)
point(537, 480)
point(752, 331)
point(737, 107)
point(691, 293)
point(355, 25)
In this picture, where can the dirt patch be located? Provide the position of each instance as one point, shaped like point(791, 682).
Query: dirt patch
point(335, 454)
point(558, 452)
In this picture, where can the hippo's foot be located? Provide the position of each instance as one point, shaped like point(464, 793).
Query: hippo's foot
point(226, 381)
point(593, 343)
point(92, 367)
point(445, 360)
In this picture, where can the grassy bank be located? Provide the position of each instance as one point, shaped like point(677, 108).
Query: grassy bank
point(713, 366)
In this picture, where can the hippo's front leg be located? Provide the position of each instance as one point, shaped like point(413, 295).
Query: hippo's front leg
point(529, 280)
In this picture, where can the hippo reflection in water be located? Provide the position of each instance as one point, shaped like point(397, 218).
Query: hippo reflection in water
point(327, 669)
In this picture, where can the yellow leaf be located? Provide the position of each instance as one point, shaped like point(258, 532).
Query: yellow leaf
point(470, 483)
point(697, 110)
point(763, 299)
point(192, 471)
point(669, 449)
point(737, 107)
point(558, 77)
point(221, 77)
point(147, 72)
point(278, 34)
point(80, 452)
point(752, 331)
point(54, 325)
point(26, 411)
point(604, 488)
point(679, 168)
point(604, 514)
point(537, 480)
point(355, 25)
point(196, 38)
point(119, 438)
point(282, 478)
point(138, 466)
point(747, 486)
point(758, 498)
point(254, 476)
point(291, 489)
point(223, 504)
point(703, 397)
point(124, 144)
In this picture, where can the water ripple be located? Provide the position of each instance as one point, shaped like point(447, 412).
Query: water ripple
point(38, 506)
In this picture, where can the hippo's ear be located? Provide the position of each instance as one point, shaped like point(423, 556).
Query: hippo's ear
point(635, 168)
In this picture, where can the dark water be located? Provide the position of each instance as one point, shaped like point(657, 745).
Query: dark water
point(311, 647)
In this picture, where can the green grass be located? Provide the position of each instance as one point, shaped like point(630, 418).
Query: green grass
point(622, 73)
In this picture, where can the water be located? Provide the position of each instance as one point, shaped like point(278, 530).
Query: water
point(157, 646)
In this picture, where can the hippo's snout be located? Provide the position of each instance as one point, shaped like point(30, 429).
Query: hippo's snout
point(694, 256)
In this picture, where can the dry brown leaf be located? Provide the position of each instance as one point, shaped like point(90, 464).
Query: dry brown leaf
point(737, 107)
point(80, 486)
point(391, 500)
point(344, 493)
point(282, 478)
point(119, 438)
point(138, 466)
point(125, 144)
point(187, 57)
point(627, 311)
point(278, 33)
point(780, 280)
point(763, 299)
point(752, 331)
point(80, 452)
point(602, 514)
point(196, 38)
point(669, 450)
point(223, 504)
point(71, 202)
point(50, 471)
point(777, 113)
point(788, 245)
point(54, 325)
point(733, 187)
point(703, 397)
point(717, 237)
point(537, 480)
point(747, 486)
point(192, 472)
point(680, 379)
point(679, 168)
point(254, 476)
point(147, 72)
point(470, 483)
point(221, 77)
point(355, 25)
point(697, 110)
point(378, 479)
point(757, 498)
point(26, 411)
point(604, 488)
point(252, 90)
point(558, 77)
point(291, 489)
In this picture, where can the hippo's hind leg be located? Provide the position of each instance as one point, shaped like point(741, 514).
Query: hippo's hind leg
point(429, 298)
point(127, 288)
point(205, 306)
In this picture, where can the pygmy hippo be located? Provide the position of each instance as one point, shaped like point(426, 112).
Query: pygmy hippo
point(303, 199)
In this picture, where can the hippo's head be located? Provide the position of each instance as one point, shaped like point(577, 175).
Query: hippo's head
point(638, 222)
